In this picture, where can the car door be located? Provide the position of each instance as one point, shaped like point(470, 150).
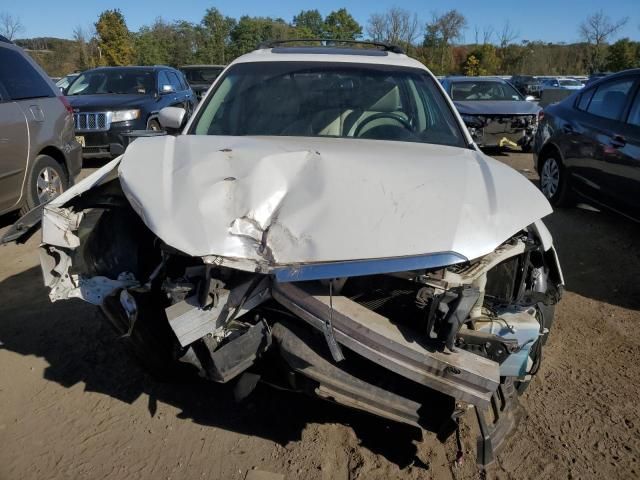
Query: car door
point(624, 161)
point(189, 95)
point(182, 97)
point(14, 148)
point(175, 98)
point(167, 98)
point(597, 120)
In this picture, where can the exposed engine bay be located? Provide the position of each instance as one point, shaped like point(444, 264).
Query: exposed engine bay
point(393, 343)
point(501, 130)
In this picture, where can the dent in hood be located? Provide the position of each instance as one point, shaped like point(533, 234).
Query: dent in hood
point(290, 201)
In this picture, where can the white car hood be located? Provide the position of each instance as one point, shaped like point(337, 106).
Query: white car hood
point(286, 200)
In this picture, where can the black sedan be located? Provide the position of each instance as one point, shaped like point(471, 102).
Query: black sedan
point(588, 145)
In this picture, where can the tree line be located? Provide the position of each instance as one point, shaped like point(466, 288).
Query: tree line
point(438, 43)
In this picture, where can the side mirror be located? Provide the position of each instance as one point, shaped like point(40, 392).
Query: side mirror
point(530, 98)
point(166, 89)
point(172, 118)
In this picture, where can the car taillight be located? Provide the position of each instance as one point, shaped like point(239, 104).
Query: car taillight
point(66, 104)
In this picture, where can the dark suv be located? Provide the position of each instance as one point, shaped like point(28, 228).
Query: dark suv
point(200, 77)
point(526, 84)
point(111, 102)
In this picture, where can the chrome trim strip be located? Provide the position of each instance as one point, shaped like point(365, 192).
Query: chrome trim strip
point(354, 268)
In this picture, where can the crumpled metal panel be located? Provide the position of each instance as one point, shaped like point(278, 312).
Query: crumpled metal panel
point(284, 201)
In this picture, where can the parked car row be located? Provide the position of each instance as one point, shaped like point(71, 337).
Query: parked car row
point(535, 85)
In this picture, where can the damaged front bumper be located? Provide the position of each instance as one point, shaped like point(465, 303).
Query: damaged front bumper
point(502, 130)
point(397, 337)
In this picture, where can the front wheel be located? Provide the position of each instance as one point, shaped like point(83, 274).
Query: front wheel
point(154, 125)
point(553, 181)
point(46, 180)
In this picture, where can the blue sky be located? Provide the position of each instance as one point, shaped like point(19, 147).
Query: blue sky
point(547, 20)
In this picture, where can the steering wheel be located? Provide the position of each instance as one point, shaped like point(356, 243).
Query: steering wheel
point(393, 116)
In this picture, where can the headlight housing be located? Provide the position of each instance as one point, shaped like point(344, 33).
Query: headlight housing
point(124, 115)
point(472, 122)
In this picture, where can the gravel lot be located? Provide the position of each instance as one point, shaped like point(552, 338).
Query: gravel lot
point(73, 405)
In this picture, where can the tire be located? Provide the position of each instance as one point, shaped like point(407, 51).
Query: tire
point(154, 125)
point(46, 180)
point(553, 181)
point(151, 342)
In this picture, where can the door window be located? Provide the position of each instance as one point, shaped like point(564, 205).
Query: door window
point(610, 99)
point(163, 80)
point(173, 78)
point(584, 100)
point(634, 114)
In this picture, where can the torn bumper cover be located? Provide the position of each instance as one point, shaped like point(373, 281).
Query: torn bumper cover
point(265, 279)
point(501, 130)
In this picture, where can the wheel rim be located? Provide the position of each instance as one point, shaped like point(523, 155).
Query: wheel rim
point(154, 126)
point(49, 184)
point(550, 177)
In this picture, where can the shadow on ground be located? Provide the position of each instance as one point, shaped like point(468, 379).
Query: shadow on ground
point(8, 219)
point(80, 346)
point(599, 253)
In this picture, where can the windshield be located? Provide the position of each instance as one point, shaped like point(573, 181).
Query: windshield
point(483, 90)
point(202, 75)
point(132, 82)
point(329, 100)
point(568, 82)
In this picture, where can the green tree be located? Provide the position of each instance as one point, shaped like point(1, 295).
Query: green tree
point(115, 42)
point(483, 60)
point(152, 43)
point(623, 55)
point(215, 30)
point(440, 34)
point(249, 32)
point(471, 66)
point(340, 25)
point(309, 24)
point(185, 43)
point(596, 30)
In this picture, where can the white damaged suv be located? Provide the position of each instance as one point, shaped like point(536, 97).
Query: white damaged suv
point(324, 209)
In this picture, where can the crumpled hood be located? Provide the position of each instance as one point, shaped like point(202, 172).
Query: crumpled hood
point(502, 107)
point(287, 200)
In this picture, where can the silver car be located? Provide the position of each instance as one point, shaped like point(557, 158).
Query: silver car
point(39, 155)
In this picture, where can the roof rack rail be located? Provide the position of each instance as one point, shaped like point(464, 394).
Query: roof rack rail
point(331, 42)
point(5, 39)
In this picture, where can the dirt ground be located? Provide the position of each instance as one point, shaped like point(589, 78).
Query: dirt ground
point(73, 405)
